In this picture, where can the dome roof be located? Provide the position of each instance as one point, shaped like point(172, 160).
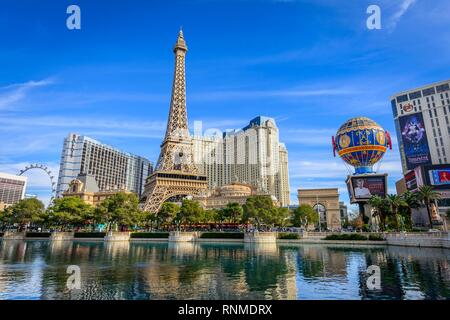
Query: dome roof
point(236, 189)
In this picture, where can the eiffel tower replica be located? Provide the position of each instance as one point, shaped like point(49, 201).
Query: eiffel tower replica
point(175, 173)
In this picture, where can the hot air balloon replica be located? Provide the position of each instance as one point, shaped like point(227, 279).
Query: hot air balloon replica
point(361, 143)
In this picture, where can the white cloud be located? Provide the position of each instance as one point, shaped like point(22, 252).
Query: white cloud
point(401, 11)
point(11, 94)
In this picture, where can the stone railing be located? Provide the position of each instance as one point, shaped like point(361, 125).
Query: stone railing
point(260, 237)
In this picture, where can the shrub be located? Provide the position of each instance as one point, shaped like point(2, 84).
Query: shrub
point(89, 234)
point(222, 235)
point(149, 235)
point(375, 237)
point(288, 236)
point(37, 234)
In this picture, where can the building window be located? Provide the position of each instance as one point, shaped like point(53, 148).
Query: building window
point(428, 92)
point(415, 95)
point(443, 87)
point(402, 98)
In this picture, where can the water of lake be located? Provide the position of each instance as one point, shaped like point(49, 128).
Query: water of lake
point(37, 270)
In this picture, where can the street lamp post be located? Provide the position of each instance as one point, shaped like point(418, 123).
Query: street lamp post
point(318, 212)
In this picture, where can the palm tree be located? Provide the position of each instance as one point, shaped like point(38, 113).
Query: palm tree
point(412, 202)
point(427, 195)
point(395, 201)
point(381, 209)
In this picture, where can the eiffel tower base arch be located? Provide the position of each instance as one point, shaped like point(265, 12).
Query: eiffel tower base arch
point(164, 185)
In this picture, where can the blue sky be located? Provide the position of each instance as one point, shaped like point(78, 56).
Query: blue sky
point(310, 64)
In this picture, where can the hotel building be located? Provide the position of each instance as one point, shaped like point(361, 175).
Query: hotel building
point(253, 155)
point(422, 123)
point(111, 168)
point(12, 189)
point(429, 108)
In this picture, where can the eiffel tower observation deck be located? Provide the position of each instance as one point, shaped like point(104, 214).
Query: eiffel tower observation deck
point(176, 174)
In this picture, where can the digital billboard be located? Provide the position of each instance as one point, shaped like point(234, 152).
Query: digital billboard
point(415, 143)
point(365, 187)
point(440, 177)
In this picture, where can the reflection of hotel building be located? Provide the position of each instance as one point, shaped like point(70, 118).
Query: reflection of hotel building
point(422, 122)
point(253, 155)
point(112, 169)
point(12, 189)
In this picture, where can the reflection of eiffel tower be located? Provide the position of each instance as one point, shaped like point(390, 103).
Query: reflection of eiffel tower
point(176, 173)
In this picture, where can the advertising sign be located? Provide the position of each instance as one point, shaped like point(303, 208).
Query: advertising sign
point(415, 143)
point(440, 177)
point(364, 187)
point(411, 181)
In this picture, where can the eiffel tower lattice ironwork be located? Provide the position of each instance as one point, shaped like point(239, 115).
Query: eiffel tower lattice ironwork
point(175, 173)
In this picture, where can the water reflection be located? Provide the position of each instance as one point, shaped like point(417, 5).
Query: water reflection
point(121, 270)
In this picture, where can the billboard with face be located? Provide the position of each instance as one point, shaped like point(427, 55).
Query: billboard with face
point(365, 187)
point(415, 143)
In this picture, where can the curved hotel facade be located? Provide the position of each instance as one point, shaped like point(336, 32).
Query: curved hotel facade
point(253, 155)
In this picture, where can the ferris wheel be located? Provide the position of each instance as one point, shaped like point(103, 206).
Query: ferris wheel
point(44, 168)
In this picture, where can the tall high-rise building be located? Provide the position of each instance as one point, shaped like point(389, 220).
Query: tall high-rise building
point(113, 169)
point(422, 122)
point(12, 189)
point(252, 155)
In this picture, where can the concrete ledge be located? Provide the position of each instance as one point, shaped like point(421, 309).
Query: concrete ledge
point(260, 237)
point(421, 240)
point(8, 235)
point(117, 236)
point(180, 236)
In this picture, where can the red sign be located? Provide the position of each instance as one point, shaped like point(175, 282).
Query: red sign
point(408, 107)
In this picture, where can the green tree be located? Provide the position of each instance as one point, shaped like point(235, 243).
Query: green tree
point(121, 210)
point(26, 212)
point(304, 215)
point(69, 212)
point(280, 217)
point(190, 212)
point(5, 219)
point(411, 202)
point(396, 202)
point(149, 219)
point(167, 213)
point(233, 211)
point(427, 195)
point(259, 210)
